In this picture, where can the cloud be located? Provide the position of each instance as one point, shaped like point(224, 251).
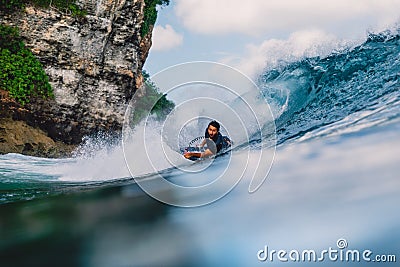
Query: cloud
point(166, 38)
point(273, 52)
point(261, 17)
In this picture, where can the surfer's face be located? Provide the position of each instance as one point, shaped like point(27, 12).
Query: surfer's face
point(212, 131)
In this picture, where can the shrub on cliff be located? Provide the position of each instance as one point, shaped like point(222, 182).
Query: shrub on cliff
point(69, 6)
point(21, 74)
point(11, 5)
point(63, 5)
point(150, 14)
point(160, 105)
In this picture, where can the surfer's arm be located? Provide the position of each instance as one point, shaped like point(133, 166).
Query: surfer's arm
point(202, 143)
point(207, 153)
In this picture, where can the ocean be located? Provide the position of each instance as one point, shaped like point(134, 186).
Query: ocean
point(327, 193)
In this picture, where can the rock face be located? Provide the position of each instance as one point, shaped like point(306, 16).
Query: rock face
point(18, 137)
point(94, 64)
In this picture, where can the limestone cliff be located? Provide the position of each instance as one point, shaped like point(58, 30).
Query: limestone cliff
point(94, 65)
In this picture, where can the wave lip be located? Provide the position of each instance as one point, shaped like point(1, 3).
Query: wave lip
point(316, 92)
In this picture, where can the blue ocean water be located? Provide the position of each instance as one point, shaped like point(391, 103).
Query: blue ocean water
point(334, 177)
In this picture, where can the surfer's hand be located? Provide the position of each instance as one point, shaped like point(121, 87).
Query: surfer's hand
point(187, 155)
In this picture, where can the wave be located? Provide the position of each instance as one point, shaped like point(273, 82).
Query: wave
point(316, 92)
point(314, 97)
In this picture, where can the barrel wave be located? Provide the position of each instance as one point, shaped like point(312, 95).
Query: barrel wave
point(317, 92)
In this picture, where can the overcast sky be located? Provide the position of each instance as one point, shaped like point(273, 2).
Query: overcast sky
point(254, 34)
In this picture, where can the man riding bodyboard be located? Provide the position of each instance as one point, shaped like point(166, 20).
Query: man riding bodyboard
point(214, 141)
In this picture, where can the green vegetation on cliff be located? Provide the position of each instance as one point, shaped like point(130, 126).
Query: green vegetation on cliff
point(68, 6)
point(159, 103)
point(150, 14)
point(7, 6)
point(21, 74)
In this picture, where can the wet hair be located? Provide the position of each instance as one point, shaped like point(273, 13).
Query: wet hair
point(215, 124)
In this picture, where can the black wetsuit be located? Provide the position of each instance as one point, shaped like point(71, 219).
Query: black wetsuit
point(218, 140)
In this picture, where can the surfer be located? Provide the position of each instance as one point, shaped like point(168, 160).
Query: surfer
point(214, 140)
